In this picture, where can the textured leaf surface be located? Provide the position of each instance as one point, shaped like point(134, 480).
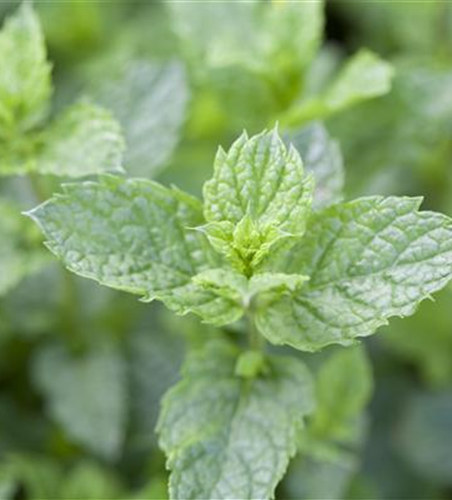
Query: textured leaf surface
point(150, 101)
point(86, 395)
point(261, 178)
point(133, 235)
point(25, 84)
point(85, 140)
point(367, 260)
point(227, 437)
point(322, 157)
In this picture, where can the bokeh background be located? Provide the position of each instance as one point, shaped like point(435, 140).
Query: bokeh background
point(83, 368)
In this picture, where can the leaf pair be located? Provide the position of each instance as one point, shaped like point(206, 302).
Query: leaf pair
point(311, 279)
point(228, 437)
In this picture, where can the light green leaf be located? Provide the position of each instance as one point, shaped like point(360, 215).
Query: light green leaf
point(329, 445)
point(150, 102)
point(25, 81)
point(84, 140)
point(20, 254)
point(363, 77)
point(133, 235)
point(322, 157)
point(283, 36)
point(227, 437)
point(251, 57)
point(258, 194)
point(367, 260)
point(215, 33)
point(242, 292)
point(291, 33)
point(86, 395)
point(343, 388)
point(261, 178)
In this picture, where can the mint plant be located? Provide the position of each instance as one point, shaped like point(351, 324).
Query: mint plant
point(254, 255)
point(258, 62)
point(84, 139)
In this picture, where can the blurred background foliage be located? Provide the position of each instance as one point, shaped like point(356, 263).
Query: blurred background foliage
point(82, 368)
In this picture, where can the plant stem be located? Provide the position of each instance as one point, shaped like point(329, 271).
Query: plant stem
point(255, 339)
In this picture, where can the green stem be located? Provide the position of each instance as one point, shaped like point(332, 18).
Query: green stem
point(255, 339)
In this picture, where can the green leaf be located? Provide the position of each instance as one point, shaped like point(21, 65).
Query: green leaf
point(84, 140)
point(86, 395)
point(227, 437)
point(258, 194)
point(343, 388)
point(256, 35)
point(20, 254)
point(150, 102)
point(217, 33)
point(418, 112)
point(261, 178)
point(322, 157)
point(329, 446)
point(367, 260)
point(242, 291)
point(363, 77)
point(250, 57)
point(291, 33)
point(134, 235)
point(25, 81)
